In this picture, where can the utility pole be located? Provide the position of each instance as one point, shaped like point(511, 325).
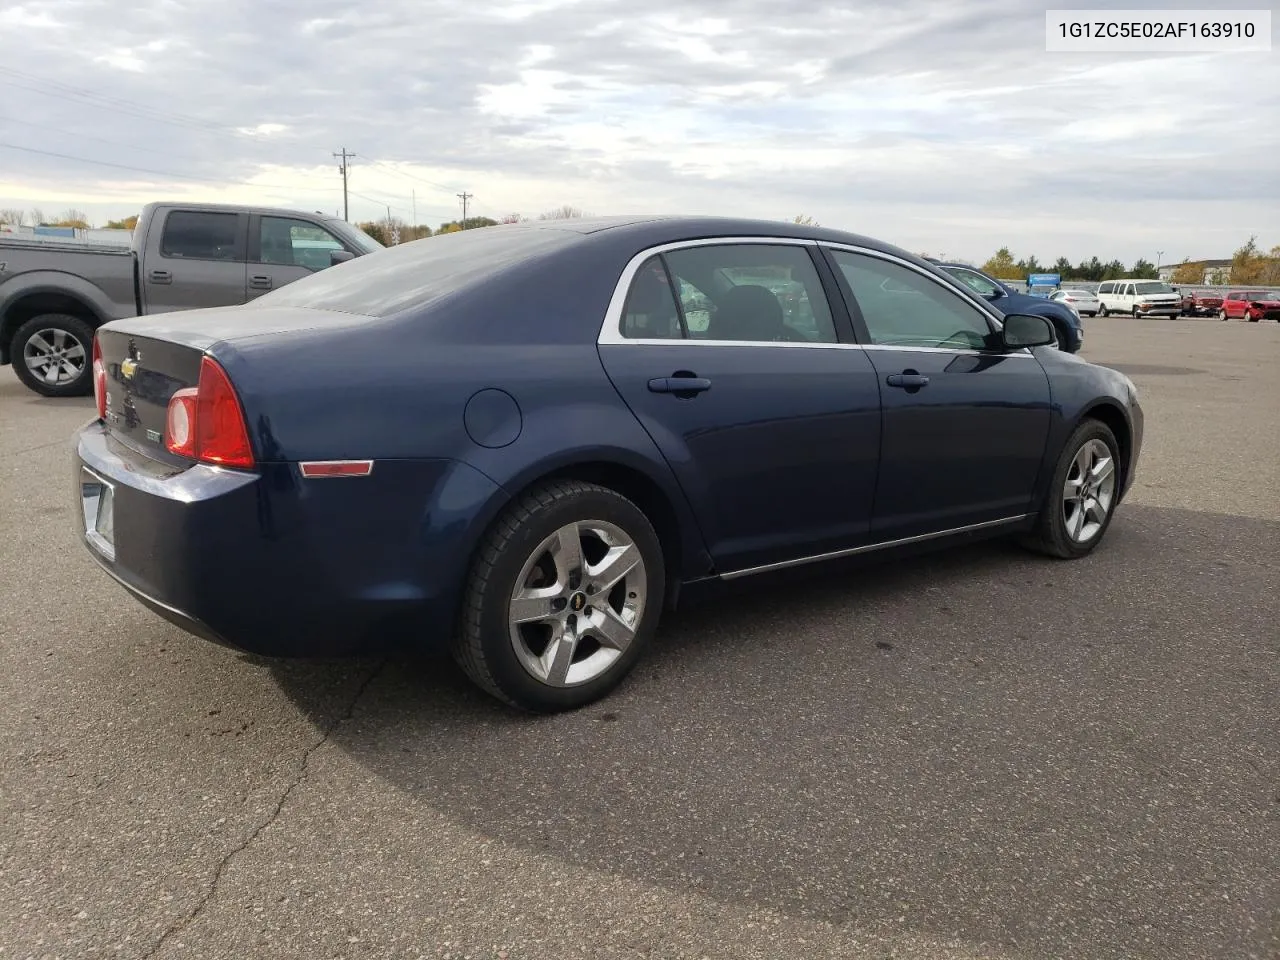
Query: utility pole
point(464, 197)
point(1159, 254)
point(415, 209)
point(346, 210)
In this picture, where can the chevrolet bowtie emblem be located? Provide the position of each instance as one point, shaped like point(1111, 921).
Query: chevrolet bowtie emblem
point(128, 368)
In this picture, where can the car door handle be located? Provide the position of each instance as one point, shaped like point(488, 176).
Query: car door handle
point(260, 282)
point(161, 276)
point(908, 379)
point(679, 385)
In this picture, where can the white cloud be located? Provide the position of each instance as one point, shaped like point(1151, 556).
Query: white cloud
point(943, 126)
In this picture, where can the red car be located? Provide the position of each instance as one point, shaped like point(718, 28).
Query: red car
point(1201, 305)
point(1251, 305)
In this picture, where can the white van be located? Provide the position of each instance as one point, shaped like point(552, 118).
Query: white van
point(1139, 298)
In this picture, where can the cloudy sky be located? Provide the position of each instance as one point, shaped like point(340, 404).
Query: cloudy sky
point(941, 126)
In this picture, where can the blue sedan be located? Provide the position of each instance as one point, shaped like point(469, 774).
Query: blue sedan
point(524, 442)
point(1066, 322)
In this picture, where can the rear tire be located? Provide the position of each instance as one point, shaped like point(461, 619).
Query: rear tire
point(1082, 495)
point(563, 597)
point(53, 355)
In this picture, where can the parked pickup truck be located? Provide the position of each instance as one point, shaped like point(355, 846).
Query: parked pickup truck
point(53, 295)
point(1200, 304)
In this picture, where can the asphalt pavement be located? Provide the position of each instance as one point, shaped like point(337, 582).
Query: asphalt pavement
point(974, 754)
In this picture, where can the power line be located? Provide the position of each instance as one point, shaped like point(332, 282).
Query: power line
point(159, 173)
point(111, 143)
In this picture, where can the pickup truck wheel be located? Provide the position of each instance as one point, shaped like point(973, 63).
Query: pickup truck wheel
point(53, 354)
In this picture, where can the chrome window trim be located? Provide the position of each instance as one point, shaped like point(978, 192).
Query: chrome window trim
point(611, 328)
point(871, 547)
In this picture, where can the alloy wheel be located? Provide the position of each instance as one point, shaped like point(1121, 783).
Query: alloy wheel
point(1089, 491)
point(577, 603)
point(54, 356)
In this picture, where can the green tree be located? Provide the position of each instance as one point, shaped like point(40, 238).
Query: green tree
point(1144, 270)
point(1113, 270)
point(1002, 266)
point(128, 223)
point(1063, 268)
point(1219, 277)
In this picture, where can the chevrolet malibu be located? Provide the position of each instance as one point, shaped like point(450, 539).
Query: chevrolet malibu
point(524, 442)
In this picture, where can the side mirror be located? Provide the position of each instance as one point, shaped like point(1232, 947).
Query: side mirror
point(340, 256)
point(1024, 330)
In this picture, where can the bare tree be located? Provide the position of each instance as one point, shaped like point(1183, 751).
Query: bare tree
point(73, 218)
point(13, 217)
point(805, 220)
point(565, 212)
point(37, 216)
point(515, 218)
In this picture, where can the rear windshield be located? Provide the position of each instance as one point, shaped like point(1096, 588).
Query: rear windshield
point(414, 274)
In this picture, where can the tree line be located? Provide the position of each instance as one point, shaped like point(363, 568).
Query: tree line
point(1249, 265)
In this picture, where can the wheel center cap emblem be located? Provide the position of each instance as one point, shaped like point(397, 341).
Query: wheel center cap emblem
point(577, 602)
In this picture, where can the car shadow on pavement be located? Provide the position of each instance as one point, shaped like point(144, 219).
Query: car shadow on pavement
point(1054, 758)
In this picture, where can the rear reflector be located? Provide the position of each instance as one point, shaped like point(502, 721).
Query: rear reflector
point(336, 468)
point(99, 379)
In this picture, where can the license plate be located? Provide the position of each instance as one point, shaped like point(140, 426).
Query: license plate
point(97, 499)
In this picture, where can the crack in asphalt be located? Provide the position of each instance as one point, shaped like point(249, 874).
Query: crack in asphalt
point(297, 781)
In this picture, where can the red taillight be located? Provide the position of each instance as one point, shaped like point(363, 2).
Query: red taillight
point(206, 422)
point(99, 379)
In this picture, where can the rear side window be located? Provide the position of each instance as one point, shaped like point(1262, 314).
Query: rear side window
point(1106, 287)
point(650, 312)
point(198, 235)
point(751, 292)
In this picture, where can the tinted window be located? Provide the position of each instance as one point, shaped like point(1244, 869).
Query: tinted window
point(200, 236)
point(295, 242)
point(1105, 287)
point(904, 308)
point(752, 292)
point(414, 274)
point(650, 312)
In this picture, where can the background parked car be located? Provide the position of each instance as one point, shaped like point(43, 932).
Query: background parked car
point(512, 442)
point(1251, 305)
point(1066, 322)
point(1138, 298)
point(183, 257)
point(1083, 302)
point(1200, 304)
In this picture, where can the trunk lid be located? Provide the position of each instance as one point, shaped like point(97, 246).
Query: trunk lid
point(148, 359)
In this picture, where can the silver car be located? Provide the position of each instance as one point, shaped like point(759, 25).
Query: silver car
point(1084, 303)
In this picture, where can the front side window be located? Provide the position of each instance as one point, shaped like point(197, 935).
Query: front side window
point(903, 308)
point(296, 243)
point(751, 292)
point(198, 235)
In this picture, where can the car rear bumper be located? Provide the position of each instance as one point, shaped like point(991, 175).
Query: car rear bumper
point(277, 565)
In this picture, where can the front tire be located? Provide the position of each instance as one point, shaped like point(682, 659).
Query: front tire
point(1082, 495)
point(563, 596)
point(53, 355)
point(1102, 311)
